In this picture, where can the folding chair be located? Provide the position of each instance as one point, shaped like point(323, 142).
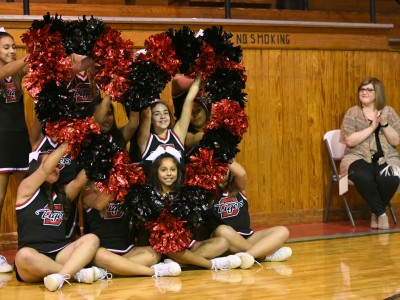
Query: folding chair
point(335, 150)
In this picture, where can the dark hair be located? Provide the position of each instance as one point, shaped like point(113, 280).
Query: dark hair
point(380, 96)
point(49, 189)
point(16, 77)
point(158, 101)
point(206, 105)
point(228, 185)
point(153, 178)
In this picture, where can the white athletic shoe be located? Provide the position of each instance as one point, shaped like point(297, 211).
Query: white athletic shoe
point(247, 261)
point(85, 275)
point(170, 268)
point(5, 267)
point(281, 254)
point(226, 262)
point(100, 273)
point(55, 281)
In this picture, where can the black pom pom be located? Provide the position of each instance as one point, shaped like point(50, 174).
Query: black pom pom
point(143, 204)
point(222, 142)
point(220, 41)
point(80, 36)
point(96, 157)
point(186, 45)
point(57, 24)
point(54, 103)
point(191, 204)
point(148, 81)
point(226, 84)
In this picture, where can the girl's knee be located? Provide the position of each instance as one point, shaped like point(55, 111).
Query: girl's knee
point(25, 256)
point(90, 239)
point(284, 232)
point(224, 230)
point(221, 242)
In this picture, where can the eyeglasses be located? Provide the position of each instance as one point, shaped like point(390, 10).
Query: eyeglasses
point(369, 91)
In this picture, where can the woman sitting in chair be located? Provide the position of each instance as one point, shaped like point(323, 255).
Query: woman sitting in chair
point(371, 132)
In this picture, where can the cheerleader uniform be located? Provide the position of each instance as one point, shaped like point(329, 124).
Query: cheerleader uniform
point(86, 98)
point(67, 166)
point(14, 137)
point(154, 142)
point(40, 227)
point(111, 226)
point(68, 172)
point(234, 212)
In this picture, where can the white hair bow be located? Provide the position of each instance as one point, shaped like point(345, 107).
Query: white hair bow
point(162, 150)
point(2, 29)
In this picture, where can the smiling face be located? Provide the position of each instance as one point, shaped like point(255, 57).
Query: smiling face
point(199, 116)
point(108, 121)
point(366, 94)
point(7, 50)
point(167, 174)
point(160, 118)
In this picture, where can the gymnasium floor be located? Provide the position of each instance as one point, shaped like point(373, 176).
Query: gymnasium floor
point(330, 261)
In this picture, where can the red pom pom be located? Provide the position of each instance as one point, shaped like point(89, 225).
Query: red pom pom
point(160, 50)
point(114, 57)
point(206, 63)
point(204, 171)
point(73, 130)
point(168, 234)
point(230, 115)
point(122, 175)
point(47, 60)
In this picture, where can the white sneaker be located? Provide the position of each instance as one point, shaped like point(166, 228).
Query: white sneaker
point(281, 254)
point(100, 273)
point(166, 269)
point(226, 262)
point(247, 261)
point(55, 281)
point(5, 267)
point(85, 275)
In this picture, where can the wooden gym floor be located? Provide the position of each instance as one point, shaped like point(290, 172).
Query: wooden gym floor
point(330, 261)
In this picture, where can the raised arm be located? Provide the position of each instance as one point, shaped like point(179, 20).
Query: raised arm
point(31, 183)
point(240, 176)
point(73, 188)
point(101, 109)
point(129, 129)
point(182, 125)
point(13, 67)
point(144, 129)
point(93, 198)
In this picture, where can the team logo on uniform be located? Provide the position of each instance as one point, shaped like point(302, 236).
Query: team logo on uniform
point(114, 211)
point(10, 90)
point(51, 217)
point(228, 207)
